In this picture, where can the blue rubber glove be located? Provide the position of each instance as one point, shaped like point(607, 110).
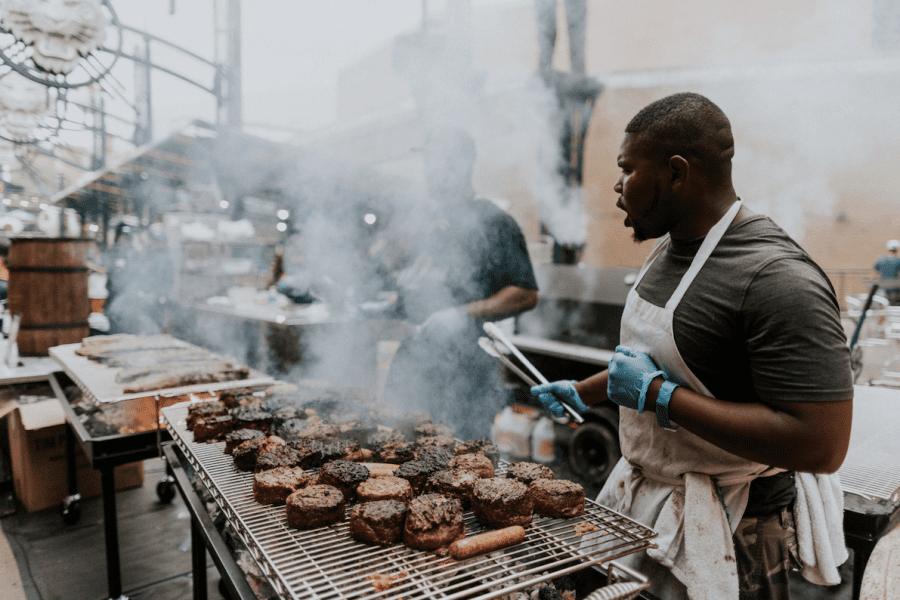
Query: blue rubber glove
point(630, 374)
point(551, 393)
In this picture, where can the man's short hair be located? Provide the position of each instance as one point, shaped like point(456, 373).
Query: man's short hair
point(688, 125)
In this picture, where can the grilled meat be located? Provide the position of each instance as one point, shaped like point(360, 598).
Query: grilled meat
point(344, 475)
point(315, 506)
point(433, 521)
point(275, 485)
point(396, 452)
point(380, 522)
point(501, 502)
point(479, 463)
point(480, 446)
point(556, 497)
point(384, 488)
point(526, 472)
point(235, 438)
point(454, 483)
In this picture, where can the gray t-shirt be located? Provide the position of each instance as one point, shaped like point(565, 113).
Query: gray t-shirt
point(759, 322)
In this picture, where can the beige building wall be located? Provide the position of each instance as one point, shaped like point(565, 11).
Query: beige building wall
point(809, 86)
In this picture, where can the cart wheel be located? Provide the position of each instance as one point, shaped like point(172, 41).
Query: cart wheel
point(223, 589)
point(165, 489)
point(70, 510)
point(594, 449)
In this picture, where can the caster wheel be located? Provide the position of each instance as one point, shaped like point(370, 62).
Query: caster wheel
point(165, 489)
point(223, 589)
point(70, 511)
point(594, 451)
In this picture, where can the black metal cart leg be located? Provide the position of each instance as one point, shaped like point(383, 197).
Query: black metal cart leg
point(71, 505)
point(198, 560)
point(861, 554)
point(110, 527)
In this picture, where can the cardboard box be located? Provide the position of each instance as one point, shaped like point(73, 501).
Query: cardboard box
point(37, 444)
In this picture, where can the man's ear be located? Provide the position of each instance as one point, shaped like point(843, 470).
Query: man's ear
point(680, 169)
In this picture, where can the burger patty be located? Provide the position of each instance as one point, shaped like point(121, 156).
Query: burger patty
point(339, 450)
point(280, 456)
point(480, 446)
point(501, 502)
point(479, 463)
point(315, 506)
point(384, 488)
point(433, 430)
point(556, 497)
point(381, 437)
point(526, 472)
point(433, 521)
point(245, 454)
point(380, 522)
point(344, 475)
point(251, 417)
point(454, 483)
point(289, 429)
point(323, 432)
point(417, 472)
point(275, 485)
point(205, 410)
point(236, 438)
point(396, 453)
point(212, 429)
point(309, 452)
point(440, 456)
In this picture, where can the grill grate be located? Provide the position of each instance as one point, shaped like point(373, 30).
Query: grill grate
point(326, 563)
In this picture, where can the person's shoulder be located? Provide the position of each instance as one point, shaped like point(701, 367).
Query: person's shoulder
point(489, 212)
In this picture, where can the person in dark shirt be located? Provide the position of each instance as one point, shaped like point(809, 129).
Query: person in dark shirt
point(888, 267)
point(733, 378)
point(473, 267)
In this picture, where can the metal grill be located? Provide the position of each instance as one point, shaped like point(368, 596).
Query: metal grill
point(327, 563)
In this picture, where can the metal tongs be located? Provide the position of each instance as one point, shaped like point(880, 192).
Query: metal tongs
point(490, 346)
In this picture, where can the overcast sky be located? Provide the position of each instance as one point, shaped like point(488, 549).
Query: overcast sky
point(292, 52)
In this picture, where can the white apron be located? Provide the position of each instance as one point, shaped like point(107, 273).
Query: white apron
point(690, 491)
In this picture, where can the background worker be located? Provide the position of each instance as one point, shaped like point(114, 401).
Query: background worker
point(888, 267)
point(472, 266)
point(733, 377)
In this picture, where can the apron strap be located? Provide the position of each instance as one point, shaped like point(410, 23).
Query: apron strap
point(661, 244)
point(706, 249)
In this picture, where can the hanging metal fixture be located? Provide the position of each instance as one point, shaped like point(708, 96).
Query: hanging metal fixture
point(60, 43)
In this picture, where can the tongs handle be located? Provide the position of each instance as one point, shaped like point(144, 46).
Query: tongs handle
point(488, 346)
point(495, 332)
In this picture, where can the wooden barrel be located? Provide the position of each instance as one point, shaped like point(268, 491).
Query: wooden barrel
point(48, 285)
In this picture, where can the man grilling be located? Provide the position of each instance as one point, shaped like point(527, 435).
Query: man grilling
point(733, 375)
point(472, 267)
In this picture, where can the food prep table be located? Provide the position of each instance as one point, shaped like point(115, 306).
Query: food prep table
point(326, 563)
point(141, 438)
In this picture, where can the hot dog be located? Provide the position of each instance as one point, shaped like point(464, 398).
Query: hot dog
point(380, 469)
point(489, 541)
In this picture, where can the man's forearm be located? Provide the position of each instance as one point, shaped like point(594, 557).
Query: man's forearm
point(508, 302)
point(799, 436)
point(593, 389)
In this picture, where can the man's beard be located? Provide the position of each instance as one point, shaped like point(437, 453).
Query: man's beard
point(640, 234)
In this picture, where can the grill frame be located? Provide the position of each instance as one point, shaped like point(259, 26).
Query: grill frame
point(324, 563)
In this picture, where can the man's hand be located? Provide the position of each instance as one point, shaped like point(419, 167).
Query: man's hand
point(630, 374)
point(550, 395)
